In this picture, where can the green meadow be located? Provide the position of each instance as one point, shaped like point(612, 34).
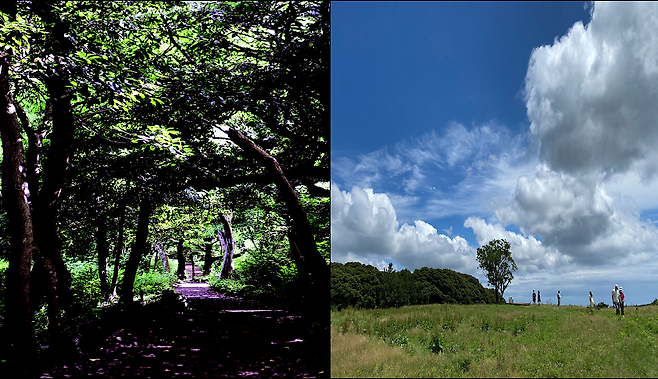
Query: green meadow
point(452, 340)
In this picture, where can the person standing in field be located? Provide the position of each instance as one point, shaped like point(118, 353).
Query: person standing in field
point(591, 300)
point(534, 297)
point(615, 298)
point(621, 300)
point(558, 298)
point(538, 298)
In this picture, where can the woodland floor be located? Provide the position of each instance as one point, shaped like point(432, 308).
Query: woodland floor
point(213, 335)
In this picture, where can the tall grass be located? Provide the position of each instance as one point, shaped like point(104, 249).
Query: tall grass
point(494, 340)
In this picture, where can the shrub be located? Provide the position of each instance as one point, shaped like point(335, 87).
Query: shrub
point(3, 268)
point(228, 286)
point(399, 340)
point(464, 364)
point(85, 282)
point(602, 305)
point(268, 273)
point(256, 274)
point(153, 282)
point(437, 344)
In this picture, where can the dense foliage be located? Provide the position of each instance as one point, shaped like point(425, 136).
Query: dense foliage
point(364, 286)
point(141, 136)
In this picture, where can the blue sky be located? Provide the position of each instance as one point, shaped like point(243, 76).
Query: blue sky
point(456, 123)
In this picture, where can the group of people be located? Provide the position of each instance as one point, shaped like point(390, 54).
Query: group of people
point(618, 299)
point(536, 298)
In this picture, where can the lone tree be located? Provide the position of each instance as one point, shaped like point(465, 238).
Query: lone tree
point(496, 261)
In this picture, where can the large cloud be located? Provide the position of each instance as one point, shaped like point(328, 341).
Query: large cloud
point(364, 228)
point(592, 97)
point(579, 219)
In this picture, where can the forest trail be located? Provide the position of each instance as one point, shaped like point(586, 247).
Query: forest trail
point(208, 335)
point(198, 271)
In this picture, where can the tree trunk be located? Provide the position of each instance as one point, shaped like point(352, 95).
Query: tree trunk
point(316, 265)
point(103, 253)
point(56, 163)
point(163, 256)
point(46, 236)
point(35, 144)
point(43, 277)
point(181, 260)
point(154, 257)
point(302, 270)
point(138, 250)
point(315, 295)
point(192, 260)
point(43, 205)
point(208, 259)
point(18, 332)
point(228, 245)
point(54, 314)
point(118, 249)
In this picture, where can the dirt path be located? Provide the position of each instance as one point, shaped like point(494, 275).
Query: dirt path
point(213, 335)
point(196, 291)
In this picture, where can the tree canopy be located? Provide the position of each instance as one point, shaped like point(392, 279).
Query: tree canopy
point(364, 286)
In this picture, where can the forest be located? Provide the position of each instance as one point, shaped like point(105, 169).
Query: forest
point(360, 286)
point(141, 140)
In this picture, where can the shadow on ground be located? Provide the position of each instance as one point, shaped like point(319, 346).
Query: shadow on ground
point(201, 335)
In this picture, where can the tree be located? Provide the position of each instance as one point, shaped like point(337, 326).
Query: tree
point(138, 251)
point(496, 261)
point(228, 244)
point(17, 326)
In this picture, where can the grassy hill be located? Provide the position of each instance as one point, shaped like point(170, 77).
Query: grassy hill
point(452, 340)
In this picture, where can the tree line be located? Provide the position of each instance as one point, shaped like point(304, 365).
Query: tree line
point(364, 286)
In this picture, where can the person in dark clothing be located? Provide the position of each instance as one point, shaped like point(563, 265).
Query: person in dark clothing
point(538, 298)
point(534, 297)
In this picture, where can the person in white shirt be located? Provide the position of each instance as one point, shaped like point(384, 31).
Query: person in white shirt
point(559, 297)
point(591, 300)
point(615, 298)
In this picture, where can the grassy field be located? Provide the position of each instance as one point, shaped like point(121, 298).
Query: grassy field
point(494, 340)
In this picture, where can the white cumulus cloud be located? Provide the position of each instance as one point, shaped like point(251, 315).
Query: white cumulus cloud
point(592, 96)
point(578, 218)
point(592, 100)
point(364, 228)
